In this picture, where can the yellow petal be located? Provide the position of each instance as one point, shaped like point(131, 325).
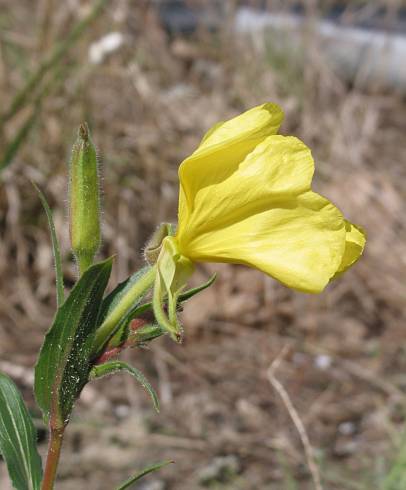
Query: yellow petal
point(183, 209)
point(260, 121)
point(355, 239)
point(298, 241)
point(225, 146)
point(279, 168)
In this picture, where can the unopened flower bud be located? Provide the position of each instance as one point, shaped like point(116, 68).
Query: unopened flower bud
point(84, 200)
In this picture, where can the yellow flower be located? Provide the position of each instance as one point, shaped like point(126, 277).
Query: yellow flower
point(246, 198)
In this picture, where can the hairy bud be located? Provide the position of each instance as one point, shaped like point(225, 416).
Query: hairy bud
point(84, 200)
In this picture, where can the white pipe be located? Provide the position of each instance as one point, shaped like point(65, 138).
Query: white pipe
point(373, 56)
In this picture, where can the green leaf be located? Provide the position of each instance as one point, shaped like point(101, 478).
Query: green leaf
point(18, 438)
point(191, 292)
point(63, 366)
point(60, 296)
point(145, 471)
point(112, 367)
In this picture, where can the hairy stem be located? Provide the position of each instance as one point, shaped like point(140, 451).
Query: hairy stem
point(106, 329)
point(84, 262)
point(54, 452)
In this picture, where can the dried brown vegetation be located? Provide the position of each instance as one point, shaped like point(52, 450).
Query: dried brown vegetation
point(148, 103)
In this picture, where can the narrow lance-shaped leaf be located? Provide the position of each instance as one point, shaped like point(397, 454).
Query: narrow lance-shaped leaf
point(145, 471)
point(55, 247)
point(192, 292)
point(63, 365)
point(18, 438)
point(112, 367)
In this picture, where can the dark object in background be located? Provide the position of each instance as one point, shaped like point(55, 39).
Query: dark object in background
point(183, 17)
point(180, 17)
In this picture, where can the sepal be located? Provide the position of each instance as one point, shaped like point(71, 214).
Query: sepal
point(173, 271)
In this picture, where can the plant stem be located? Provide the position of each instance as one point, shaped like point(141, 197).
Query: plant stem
point(106, 329)
point(54, 452)
point(84, 262)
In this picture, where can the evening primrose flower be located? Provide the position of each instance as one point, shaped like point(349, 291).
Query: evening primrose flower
point(245, 197)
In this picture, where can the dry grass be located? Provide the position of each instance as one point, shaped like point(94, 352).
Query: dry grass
point(148, 104)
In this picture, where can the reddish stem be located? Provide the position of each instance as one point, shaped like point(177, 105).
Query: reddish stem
point(108, 354)
point(136, 324)
point(54, 452)
point(115, 351)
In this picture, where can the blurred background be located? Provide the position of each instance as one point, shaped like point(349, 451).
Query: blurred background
point(151, 77)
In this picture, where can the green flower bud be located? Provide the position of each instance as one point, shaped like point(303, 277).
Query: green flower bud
point(84, 200)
